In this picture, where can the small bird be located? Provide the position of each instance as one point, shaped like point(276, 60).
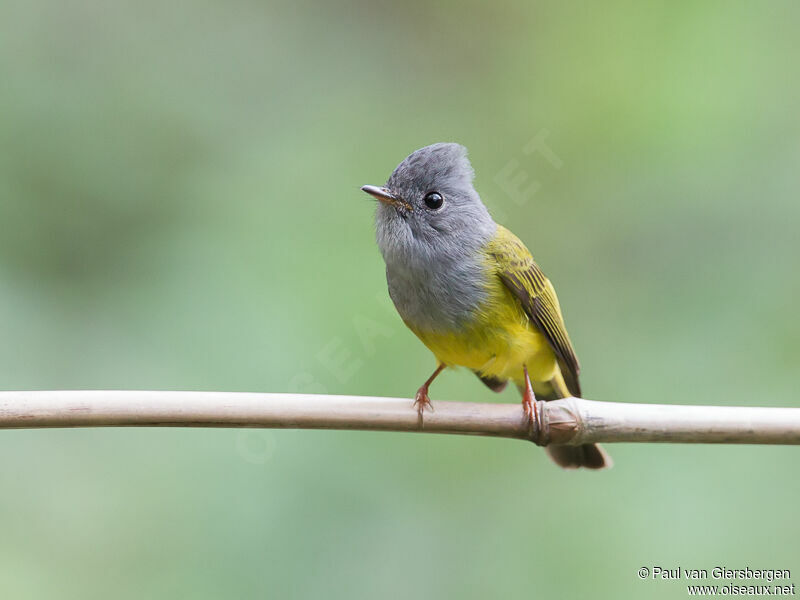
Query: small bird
point(470, 290)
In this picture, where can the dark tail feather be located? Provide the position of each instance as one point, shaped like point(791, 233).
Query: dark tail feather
point(588, 456)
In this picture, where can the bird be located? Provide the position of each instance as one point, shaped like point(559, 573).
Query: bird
point(470, 289)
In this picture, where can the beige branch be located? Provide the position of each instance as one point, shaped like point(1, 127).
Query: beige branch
point(567, 421)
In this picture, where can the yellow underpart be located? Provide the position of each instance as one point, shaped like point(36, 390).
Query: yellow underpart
point(498, 342)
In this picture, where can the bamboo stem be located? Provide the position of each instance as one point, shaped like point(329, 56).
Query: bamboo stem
point(566, 421)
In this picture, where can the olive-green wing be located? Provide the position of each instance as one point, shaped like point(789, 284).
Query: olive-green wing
point(520, 273)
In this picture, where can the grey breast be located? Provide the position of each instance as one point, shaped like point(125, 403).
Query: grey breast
point(440, 293)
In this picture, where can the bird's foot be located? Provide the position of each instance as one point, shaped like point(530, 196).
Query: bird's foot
point(527, 407)
point(528, 400)
point(421, 402)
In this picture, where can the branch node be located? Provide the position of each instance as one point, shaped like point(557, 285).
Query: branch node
point(539, 428)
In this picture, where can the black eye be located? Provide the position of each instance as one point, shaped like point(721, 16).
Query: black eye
point(434, 200)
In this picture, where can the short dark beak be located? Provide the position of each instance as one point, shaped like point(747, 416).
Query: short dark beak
point(380, 193)
point(385, 196)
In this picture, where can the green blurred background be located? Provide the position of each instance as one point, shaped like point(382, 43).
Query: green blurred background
point(179, 209)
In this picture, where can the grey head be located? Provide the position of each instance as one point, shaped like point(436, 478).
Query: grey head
point(429, 208)
point(431, 226)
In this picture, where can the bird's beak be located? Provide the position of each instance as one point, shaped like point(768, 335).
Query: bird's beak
point(385, 196)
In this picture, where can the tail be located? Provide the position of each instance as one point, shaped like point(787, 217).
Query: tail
point(589, 456)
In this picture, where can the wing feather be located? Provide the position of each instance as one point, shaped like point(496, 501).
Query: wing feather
point(520, 274)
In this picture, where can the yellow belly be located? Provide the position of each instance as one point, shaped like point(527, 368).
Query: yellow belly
point(497, 343)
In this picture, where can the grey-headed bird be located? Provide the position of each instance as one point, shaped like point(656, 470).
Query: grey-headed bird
point(470, 290)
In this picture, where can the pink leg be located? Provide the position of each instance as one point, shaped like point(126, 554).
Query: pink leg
point(422, 400)
point(528, 397)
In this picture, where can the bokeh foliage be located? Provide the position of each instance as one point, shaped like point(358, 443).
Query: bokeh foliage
point(179, 209)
